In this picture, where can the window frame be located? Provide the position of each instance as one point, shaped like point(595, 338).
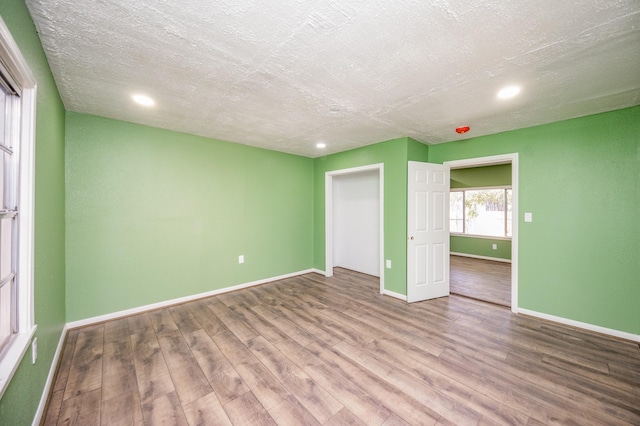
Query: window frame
point(15, 68)
point(506, 211)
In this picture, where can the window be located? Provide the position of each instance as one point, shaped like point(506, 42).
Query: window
point(8, 214)
point(483, 212)
point(17, 119)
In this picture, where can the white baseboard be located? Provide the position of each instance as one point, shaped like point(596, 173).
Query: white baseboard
point(583, 325)
point(52, 374)
point(145, 308)
point(318, 271)
point(394, 294)
point(495, 259)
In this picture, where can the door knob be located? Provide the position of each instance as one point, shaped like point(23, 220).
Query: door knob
point(412, 238)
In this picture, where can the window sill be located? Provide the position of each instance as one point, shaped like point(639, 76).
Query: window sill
point(13, 356)
point(485, 237)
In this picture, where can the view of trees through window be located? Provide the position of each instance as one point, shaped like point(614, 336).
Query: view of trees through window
point(485, 212)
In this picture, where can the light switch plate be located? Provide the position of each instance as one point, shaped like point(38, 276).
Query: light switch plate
point(528, 217)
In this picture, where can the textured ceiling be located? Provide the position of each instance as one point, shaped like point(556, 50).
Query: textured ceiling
point(286, 74)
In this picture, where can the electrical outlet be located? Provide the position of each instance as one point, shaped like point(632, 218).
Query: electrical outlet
point(494, 246)
point(241, 258)
point(34, 350)
point(388, 264)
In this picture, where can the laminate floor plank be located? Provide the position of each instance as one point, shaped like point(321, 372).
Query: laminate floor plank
point(626, 372)
point(184, 319)
point(291, 412)
point(309, 325)
point(352, 396)
point(224, 379)
point(56, 396)
point(481, 279)
point(425, 392)
point(394, 420)
point(206, 411)
point(332, 351)
point(579, 390)
point(232, 321)
point(343, 331)
point(122, 410)
point(85, 372)
point(262, 383)
point(187, 376)
point(260, 324)
point(140, 324)
point(448, 386)
point(53, 408)
point(162, 321)
point(118, 372)
point(288, 327)
point(152, 373)
point(81, 410)
point(537, 395)
point(205, 317)
point(611, 384)
point(247, 411)
point(345, 417)
point(313, 397)
point(65, 360)
point(394, 399)
point(165, 410)
point(120, 395)
point(239, 297)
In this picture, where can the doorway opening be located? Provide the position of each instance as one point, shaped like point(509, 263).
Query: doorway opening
point(339, 190)
point(481, 277)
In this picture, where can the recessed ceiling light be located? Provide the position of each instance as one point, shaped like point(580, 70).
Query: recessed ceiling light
point(321, 145)
point(508, 92)
point(143, 100)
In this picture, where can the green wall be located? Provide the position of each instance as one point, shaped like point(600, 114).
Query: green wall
point(19, 403)
point(394, 154)
point(481, 246)
point(154, 215)
point(580, 178)
point(478, 177)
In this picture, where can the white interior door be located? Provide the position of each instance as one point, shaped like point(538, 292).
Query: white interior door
point(428, 231)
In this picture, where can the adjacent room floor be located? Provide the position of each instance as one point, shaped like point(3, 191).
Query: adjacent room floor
point(316, 351)
point(485, 280)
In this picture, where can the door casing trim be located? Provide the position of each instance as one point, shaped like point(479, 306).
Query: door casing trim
point(492, 161)
point(328, 215)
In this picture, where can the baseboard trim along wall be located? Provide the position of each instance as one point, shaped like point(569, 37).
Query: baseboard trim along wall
point(50, 378)
point(475, 256)
point(583, 325)
point(394, 294)
point(145, 308)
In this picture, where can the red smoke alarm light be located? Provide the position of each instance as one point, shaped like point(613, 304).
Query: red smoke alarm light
point(462, 130)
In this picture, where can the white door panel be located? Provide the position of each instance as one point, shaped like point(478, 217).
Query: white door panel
point(428, 229)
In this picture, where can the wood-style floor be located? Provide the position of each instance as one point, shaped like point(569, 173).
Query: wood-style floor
point(481, 279)
point(313, 350)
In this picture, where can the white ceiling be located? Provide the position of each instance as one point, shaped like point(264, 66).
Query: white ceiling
point(286, 74)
